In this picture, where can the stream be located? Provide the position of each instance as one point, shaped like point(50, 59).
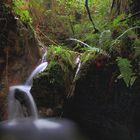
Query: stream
point(23, 121)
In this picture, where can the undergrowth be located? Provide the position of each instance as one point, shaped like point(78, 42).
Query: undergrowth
point(57, 21)
point(21, 10)
point(65, 59)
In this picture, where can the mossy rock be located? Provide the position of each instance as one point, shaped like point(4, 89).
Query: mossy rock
point(48, 85)
point(50, 90)
point(104, 107)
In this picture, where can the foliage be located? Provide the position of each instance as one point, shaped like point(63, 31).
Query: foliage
point(66, 59)
point(126, 71)
point(54, 74)
point(62, 55)
point(87, 55)
point(137, 47)
point(20, 8)
point(92, 53)
point(37, 9)
point(56, 21)
point(125, 45)
point(68, 19)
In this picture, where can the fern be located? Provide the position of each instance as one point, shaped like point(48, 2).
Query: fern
point(90, 48)
point(126, 71)
point(88, 55)
point(137, 47)
point(62, 55)
point(122, 35)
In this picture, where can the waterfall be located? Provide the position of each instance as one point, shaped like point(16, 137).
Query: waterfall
point(15, 108)
point(22, 127)
point(37, 70)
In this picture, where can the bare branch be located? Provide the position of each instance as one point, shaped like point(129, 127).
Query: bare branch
point(90, 18)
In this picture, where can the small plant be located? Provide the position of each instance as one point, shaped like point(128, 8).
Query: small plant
point(126, 71)
point(63, 55)
point(20, 8)
point(87, 55)
point(137, 47)
point(65, 59)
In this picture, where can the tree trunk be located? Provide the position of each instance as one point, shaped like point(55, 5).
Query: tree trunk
point(124, 7)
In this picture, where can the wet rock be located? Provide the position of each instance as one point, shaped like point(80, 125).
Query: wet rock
point(51, 87)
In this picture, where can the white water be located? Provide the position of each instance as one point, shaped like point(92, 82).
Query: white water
point(78, 62)
point(44, 57)
point(37, 70)
point(15, 109)
point(33, 128)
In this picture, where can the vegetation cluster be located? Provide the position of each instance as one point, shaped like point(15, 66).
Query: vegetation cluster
point(67, 23)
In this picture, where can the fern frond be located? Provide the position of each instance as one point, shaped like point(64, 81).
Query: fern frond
point(62, 55)
point(99, 50)
point(126, 72)
point(119, 37)
point(137, 47)
point(87, 55)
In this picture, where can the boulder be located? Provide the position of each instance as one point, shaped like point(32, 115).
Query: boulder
point(102, 105)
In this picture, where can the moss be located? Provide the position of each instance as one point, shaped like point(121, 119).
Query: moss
point(23, 13)
point(51, 87)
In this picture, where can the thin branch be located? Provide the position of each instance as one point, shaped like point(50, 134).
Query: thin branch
point(112, 5)
point(99, 50)
point(79, 41)
point(131, 16)
point(115, 41)
point(47, 37)
point(90, 18)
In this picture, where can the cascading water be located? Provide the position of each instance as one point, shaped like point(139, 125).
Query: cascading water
point(22, 127)
point(38, 69)
point(15, 109)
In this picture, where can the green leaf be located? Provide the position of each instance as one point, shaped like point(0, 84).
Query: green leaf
point(126, 72)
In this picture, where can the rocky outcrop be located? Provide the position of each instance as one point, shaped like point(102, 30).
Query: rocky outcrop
point(19, 53)
point(102, 105)
point(49, 91)
point(51, 87)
